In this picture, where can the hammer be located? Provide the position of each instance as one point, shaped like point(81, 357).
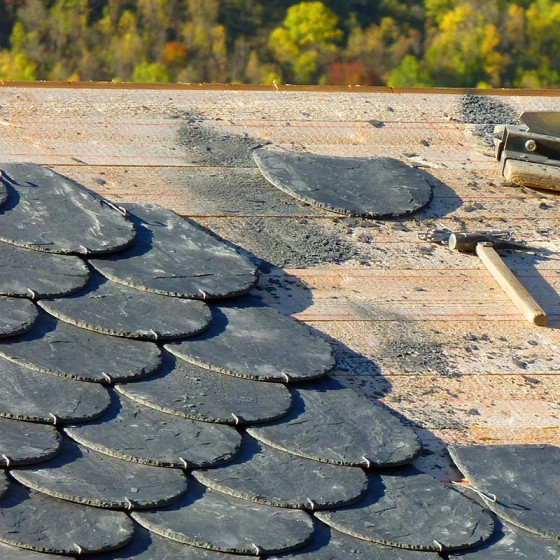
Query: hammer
point(485, 246)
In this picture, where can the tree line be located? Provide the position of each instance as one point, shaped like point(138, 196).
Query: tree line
point(461, 43)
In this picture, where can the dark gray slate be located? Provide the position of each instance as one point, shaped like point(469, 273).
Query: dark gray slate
point(16, 316)
point(3, 484)
point(24, 443)
point(257, 343)
point(78, 474)
point(3, 194)
point(140, 434)
point(57, 348)
point(30, 395)
point(333, 424)
point(412, 510)
point(367, 187)
point(13, 553)
point(219, 522)
point(33, 274)
point(34, 521)
point(85, 223)
point(524, 478)
point(176, 257)
point(191, 392)
point(110, 308)
point(264, 475)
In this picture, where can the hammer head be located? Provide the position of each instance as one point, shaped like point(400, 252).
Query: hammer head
point(467, 242)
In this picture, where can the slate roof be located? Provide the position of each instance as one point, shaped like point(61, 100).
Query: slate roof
point(226, 444)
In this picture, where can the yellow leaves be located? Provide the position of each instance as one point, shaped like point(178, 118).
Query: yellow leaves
point(281, 43)
point(16, 67)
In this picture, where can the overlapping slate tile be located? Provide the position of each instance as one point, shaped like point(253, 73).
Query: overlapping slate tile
point(369, 187)
point(218, 522)
point(25, 443)
point(137, 433)
point(38, 522)
point(84, 476)
point(257, 343)
point(264, 475)
point(26, 394)
point(48, 212)
point(34, 274)
point(57, 348)
point(176, 257)
point(114, 309)
point(524, 479)
point(192, 392)
point(16, 316)
point(409, 509)
point(333, 424)
point(14, 553)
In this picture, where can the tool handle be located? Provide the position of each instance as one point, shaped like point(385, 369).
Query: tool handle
point(518, 294)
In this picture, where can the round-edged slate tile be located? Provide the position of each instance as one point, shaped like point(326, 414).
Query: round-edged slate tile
point(174, 256)
point(29, 395)
point(192, 392)
point(218, 522)
point(264, 475)
point(16, 316)
point(38, 522)
point(524, 479)
point(25, 443)
point(134, 432)
point(257, 343)
point(333, 424)
point(84, 476)
point(409, 509)
point(377, 187)
point(117, 310)
point(14, 553)
point(85, 223)
point(60, 349)
point(33, 274)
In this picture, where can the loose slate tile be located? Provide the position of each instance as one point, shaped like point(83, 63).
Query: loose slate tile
point(368, 187)
point(78, 474)
point(257, 343)
point(219, 522)
point(85, 223)
point(24, 443)
point(33, 274)
point(14, 553)
point(523, 478)
point(110, 308)
point(192, 392)
point(134, 432)
point(333, 424)
point(34, 521)
point(33, 396)
point(176, 257)
point(16, 316)
point(409, 509)
point(57, 348)
point(264, 475)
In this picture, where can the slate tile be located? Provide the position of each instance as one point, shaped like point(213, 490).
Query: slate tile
point(16, 316)
point(13, 553)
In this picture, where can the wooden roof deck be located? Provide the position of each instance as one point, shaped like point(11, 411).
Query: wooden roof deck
point(425, 330)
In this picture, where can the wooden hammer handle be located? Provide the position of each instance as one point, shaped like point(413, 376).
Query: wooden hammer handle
point(522, 299)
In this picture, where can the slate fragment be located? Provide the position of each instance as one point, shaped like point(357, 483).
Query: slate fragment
point(16, 316)
point(110, 308)
point(136, 433)
point(60, 349)
point(85, 223)
point(219, 522)
point(192, 392)
point(33, 274)
point(34, 521)
point(29, 395)
point(80, 475)
point(24, 443)
point(409, 509)
point(257, 343)
point(333, 424)
point(174, 256)
point(524, 478)
point(264, 475)
point(377, 187)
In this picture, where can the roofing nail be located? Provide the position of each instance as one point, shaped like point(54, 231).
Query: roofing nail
point(54, 417)
point(86, 250)
point(185, 464)
point(237, 419)
point(156, 335)
point(78, 548)
point(32, 293)
point(107, 377)
point(286, 377)
point(439, 545)
point(129, 504)
point(312, 503)
point(367, 462)
point(204, 294)
point(487, 495)
point(7, 459)
point(257, 549)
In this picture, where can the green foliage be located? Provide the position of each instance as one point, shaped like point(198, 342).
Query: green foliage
point(154, 72)
point(409, 73)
